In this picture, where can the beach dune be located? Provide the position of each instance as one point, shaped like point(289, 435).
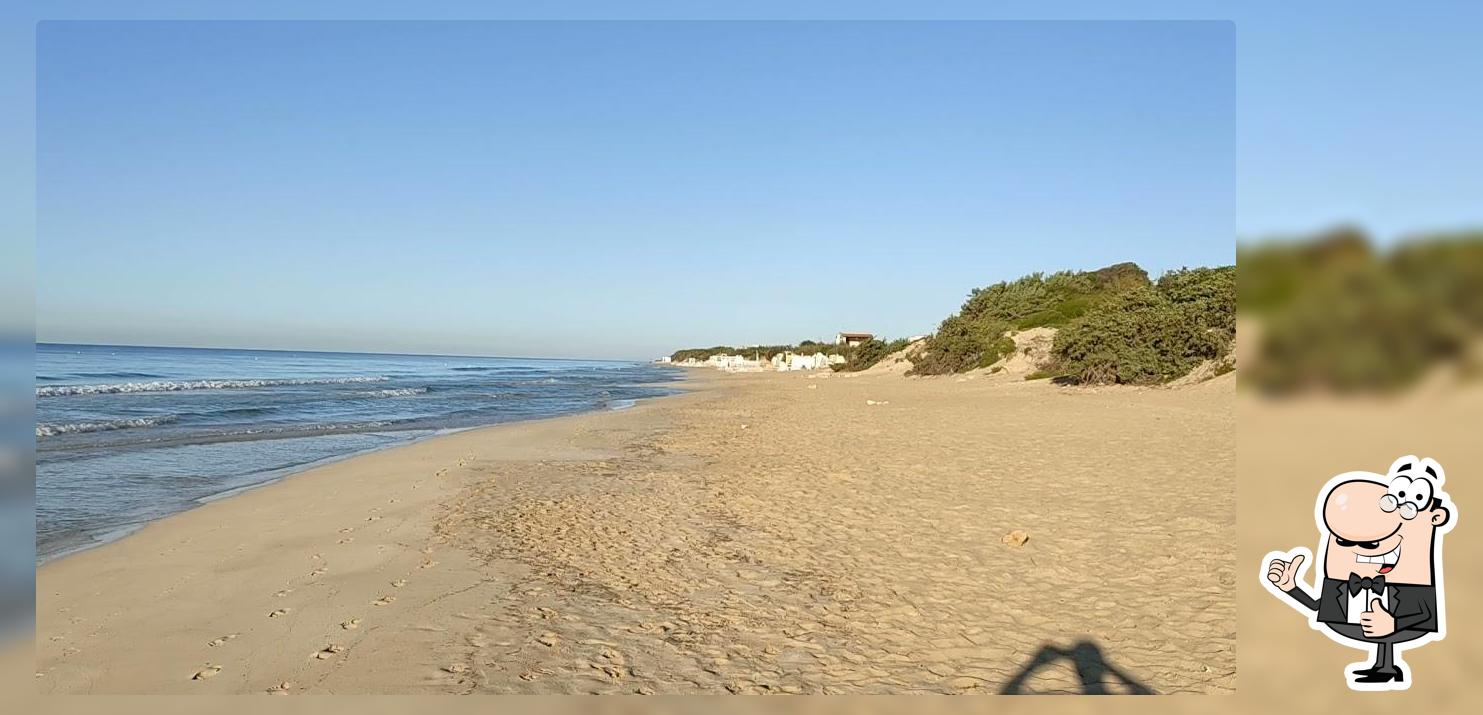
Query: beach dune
point(795, 533)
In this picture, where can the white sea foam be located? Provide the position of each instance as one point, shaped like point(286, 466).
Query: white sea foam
point(51, 429)
point(397, 392)
point(174, 386)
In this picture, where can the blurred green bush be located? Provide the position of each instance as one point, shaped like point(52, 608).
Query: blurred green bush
point(1332, 312)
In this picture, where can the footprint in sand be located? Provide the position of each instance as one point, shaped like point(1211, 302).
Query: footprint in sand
point(347, 539)
point(351, 624)
point(428, 564)
point(373, 518)
point(347, 530)
point(209, 671)
point(221, 640)
point(384, 601)
point(535, 674)
point(283, 593)
point(328, 652)
point(279, 612)
point(281, 688)
point(319, 571)
point(399, 583)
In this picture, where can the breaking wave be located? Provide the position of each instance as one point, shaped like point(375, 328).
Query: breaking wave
point(51, 429)
point(171, 386)
point(396, 392)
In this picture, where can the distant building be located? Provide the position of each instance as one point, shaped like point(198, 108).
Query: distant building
point(852, 338)
point(784, 362)
point(734, 363)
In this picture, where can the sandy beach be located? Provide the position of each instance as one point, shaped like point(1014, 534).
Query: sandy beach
point(774, 532)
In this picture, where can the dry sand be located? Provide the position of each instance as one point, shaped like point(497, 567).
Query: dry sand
point(766, 533)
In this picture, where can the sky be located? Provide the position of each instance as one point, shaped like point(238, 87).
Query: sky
point(602, 189)
point(1358, 112)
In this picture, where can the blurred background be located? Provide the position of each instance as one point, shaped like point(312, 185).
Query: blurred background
point(1354, 353)
point(1333, 313)
point(1360, 231)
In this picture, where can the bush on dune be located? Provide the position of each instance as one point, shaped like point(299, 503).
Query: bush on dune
point(869, 353)
point(1140, 337)
point(963, 344)
point(975, 337)
point(1151, 334)
point(1115, 326)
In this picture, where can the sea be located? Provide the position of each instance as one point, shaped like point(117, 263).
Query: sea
point(126, 435)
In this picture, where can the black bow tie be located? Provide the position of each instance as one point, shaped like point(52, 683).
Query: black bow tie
point(1356, 583)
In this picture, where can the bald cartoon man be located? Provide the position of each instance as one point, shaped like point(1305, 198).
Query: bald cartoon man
point(1381, 552)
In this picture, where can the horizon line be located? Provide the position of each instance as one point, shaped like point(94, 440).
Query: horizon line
point(39, 343)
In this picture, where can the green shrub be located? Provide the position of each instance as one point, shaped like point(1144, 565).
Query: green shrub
point(975, 337)
point(962, 344)
point(869, 353)
point(1209, 294)
point(1139, 337)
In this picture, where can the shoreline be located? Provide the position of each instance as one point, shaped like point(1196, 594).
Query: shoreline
point(111, 535)
point(771, 532)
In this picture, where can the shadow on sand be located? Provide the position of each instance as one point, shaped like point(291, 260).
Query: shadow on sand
point(1092, 669)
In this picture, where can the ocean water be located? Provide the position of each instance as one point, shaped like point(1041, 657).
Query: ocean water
point(125, 435)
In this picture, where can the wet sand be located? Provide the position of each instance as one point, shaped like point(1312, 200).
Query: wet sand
point(764, 533)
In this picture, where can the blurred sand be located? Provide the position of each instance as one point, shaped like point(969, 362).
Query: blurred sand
point(767, 533)
point(1288, 449)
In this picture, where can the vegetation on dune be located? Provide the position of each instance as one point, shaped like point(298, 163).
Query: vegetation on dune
point(869, 353)
point(975, 336)
point(1146, 336)
point(1115, 326)
point(1338, 314)
point(962, 343)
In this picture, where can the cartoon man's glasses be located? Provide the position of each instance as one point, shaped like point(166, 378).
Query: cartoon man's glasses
point(1408, 508)
point(1409, 495)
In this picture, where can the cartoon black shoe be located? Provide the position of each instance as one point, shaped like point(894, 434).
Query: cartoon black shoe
point(1380, 676)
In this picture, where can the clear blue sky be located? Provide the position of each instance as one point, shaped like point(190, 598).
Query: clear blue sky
point(608, 189)
point(1348, 111)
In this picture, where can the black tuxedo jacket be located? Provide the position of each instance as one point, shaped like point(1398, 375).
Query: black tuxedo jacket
point(1414, 607)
